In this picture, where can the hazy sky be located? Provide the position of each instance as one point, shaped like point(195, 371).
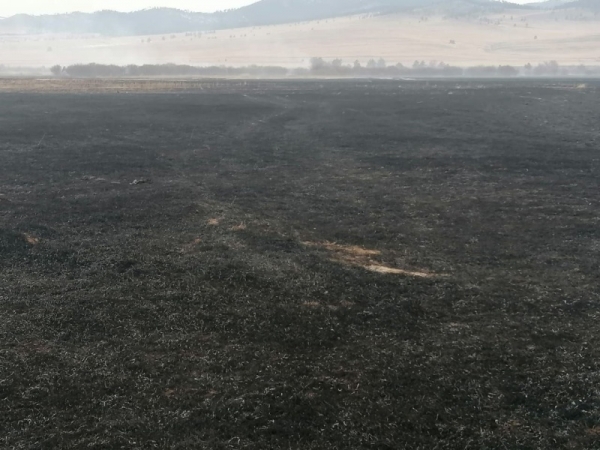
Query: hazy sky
point(10, 7)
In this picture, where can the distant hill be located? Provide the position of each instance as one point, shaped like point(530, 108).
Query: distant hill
point(264, 12)
point(549, 4)
point(592, 5)
point(270, 12)
point(112, 23)
point(460, 8)
point(168, 20)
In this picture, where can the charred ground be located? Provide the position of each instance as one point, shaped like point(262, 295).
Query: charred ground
point(199, 269)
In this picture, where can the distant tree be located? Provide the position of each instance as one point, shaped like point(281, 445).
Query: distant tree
point(507, 71)
point(132, 70)
point(450, 71)
point(317, 64)
point(381, 63)
point(482, 71)
point(357, 65)
point(56, 70)
point(547, 68)
point(371, 64)
point(336, 64)
point(582, 69)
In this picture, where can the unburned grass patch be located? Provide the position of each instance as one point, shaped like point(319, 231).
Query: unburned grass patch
point(31, 240)
point(361, 257)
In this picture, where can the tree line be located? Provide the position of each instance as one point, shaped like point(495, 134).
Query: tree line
point(320, 67)
point(440, 69)
point(163, 70)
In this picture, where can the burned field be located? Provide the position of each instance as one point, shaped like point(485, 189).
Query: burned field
point(301, 265)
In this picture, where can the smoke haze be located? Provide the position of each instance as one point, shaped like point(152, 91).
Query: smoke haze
point(285, 33)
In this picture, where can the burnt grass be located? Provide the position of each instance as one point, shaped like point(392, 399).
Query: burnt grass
point(184, 310)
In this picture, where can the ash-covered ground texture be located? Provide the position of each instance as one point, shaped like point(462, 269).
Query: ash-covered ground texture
point(302, 265)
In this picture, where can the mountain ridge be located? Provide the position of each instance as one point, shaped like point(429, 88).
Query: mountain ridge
point(265, 12)
point(593, 5)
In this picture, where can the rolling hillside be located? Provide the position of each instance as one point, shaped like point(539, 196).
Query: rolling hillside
point(458, 32)
point(516, 37)
point(265, 12)
point(590, 5)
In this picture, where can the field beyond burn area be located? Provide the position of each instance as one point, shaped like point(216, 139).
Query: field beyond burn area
point(302, 265)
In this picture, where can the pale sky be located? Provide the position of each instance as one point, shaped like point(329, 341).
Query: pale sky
point(11, 7)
